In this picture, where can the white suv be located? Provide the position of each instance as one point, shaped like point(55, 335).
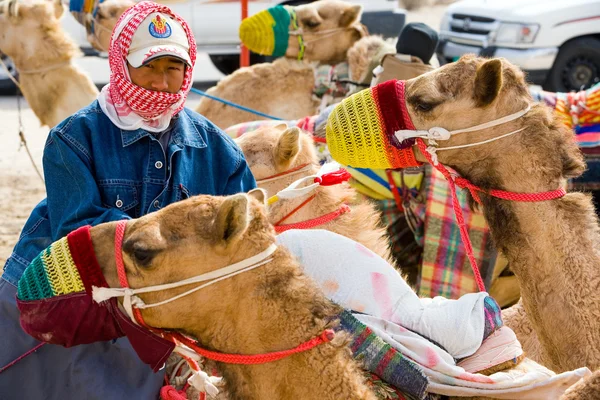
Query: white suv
point(556, 42)
point(215, 25)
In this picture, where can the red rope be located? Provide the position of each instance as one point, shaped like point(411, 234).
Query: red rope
point(305, 202)
point(119, 235)
point(394, 190)
point(502, 194)
point(325, 337)
point(289, 171)
point(312, 223)
point(22, 356)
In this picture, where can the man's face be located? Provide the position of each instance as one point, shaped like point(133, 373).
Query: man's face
point(163, 74)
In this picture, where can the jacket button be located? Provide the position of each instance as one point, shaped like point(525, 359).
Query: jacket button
point(158, 164)
point(119, 203)
point(156, 203)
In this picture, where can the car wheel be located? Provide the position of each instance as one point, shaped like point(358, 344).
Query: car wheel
point(228, 63)
point(576, 67)
point(6, 84)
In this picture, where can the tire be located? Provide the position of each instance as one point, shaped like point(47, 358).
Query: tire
point(7, 87)
point(576, 67)
point(229, 63)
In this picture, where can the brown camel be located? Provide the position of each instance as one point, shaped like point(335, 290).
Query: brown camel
point(551, 246)
point(281, 307)
point(585, 389)
point(271, 151)
point(31, 34)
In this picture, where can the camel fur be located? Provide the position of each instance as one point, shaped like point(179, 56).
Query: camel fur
point(273, 307)
point(43, 52)
point(273, 150)
point(551, 246)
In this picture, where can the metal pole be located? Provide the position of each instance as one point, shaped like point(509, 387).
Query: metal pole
point(245, 53)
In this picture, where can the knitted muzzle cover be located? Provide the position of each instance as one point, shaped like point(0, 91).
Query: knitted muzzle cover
point(54, 297)
point(360, 130)
point(267, 32)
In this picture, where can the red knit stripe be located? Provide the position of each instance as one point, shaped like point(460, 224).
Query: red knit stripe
point(385, 361)
point(394, 118)
point(82, 251)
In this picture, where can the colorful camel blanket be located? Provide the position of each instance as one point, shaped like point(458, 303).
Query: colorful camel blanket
point(446, 270)
point(579, 111)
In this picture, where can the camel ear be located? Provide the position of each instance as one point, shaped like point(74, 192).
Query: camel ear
point(350, 15)
point(288, 145)
point(58, 8)
point(259, 194)
point(488, 81)
point(281, 127)
point(232, 219)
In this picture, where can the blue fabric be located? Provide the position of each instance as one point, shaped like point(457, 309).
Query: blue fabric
point(95, 173)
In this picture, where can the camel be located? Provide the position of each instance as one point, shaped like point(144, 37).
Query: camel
point(551, 246)
point(293, 96)
point(272, 151)
point(281, 307)
point(30, 34)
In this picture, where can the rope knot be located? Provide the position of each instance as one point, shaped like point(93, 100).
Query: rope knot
point(327, 335)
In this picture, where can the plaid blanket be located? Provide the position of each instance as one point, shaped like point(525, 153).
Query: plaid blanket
point(382, 360)
point(446, 270)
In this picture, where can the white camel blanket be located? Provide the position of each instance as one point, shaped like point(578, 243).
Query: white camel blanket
point(359, 280)
point(527, 381)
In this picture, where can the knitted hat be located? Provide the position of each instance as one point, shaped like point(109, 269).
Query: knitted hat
point(360, 130)
point(417, 39)
point(267, 32)
point(54, 296)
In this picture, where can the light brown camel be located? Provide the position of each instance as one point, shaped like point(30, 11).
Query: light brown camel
point(271, 151)
point(585, 389)
point(552, 246)
point(43, 55)
point(273, 307)
point(285, 88)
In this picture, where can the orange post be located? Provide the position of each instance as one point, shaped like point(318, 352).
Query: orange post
point(245, 53)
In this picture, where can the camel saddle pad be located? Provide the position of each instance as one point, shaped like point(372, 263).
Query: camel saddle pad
point(401, 66)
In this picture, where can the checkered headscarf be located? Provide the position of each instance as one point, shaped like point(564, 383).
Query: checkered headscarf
point(132, 107)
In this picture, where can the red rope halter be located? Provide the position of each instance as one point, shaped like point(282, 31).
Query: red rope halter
point(474, 189)
point(175, 337)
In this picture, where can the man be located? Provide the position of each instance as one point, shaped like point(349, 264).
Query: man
point(131, 152)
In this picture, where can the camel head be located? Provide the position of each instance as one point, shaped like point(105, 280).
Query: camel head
point(474, 91)
point(273, 150)
point(330, 28)
point(522, 147)
point(107, 16)
point(186, 239)
point(26, 24)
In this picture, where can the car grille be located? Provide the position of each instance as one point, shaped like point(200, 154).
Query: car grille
point(471, 24)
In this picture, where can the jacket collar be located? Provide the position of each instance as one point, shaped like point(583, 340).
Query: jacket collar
point(185, 133)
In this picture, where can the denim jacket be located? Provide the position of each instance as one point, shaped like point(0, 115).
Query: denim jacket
point(96, 172)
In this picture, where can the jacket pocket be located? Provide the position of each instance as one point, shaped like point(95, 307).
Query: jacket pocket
point(182, 192)
point(121, 195)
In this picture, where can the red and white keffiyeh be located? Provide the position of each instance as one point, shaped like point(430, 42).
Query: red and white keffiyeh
point(129, 106)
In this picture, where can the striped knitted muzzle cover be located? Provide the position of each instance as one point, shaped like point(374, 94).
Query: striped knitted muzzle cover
point(267, 32)
point(360, 130)
point(54, 297)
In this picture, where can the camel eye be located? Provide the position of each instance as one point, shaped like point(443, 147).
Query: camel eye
point(311, 23)
point(425, 107)
point(143, 257)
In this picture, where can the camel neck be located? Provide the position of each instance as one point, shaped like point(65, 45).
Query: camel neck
point(56, 49)
point(277, 309)
point(552, 248)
